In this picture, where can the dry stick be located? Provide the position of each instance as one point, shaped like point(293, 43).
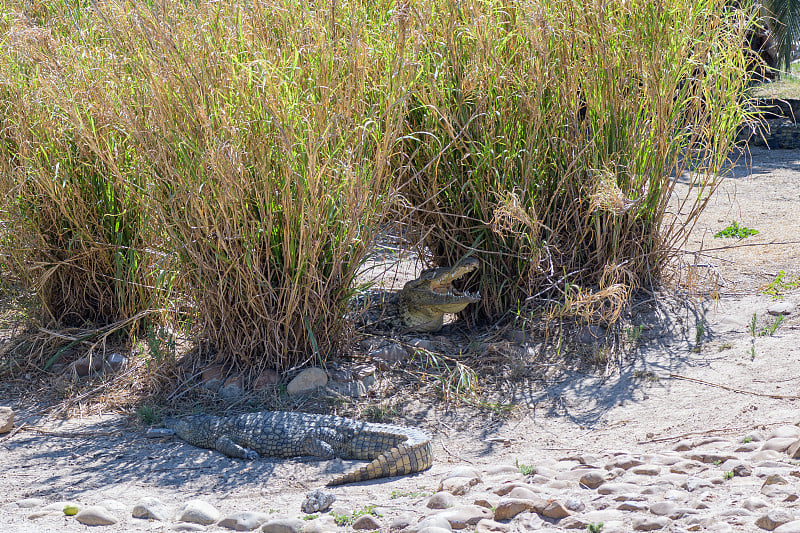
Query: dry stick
point(742, 245)
point(774, 396)
point(708, 432)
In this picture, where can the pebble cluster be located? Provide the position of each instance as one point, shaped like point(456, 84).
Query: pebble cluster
point(747, 483)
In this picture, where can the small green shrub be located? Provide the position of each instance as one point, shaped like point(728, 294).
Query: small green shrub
point(734, 230)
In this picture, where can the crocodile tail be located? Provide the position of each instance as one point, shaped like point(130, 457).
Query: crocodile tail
point(401, 460)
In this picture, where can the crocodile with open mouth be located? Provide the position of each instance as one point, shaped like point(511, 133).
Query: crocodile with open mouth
point(421, 304)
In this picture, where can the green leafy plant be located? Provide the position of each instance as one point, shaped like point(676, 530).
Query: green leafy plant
point(747, 440)
point(525, 470)
point(149, 414)
point(402, 494)
point(734, 230)
point(728, 475)
point(769, 329)
point(345, 519)
point(781, 284)
point(310, 517)
point(594, 528)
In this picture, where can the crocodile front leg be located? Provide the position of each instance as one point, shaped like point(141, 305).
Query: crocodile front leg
point(225, 445)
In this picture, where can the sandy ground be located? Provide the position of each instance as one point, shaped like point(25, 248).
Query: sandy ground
point(645, 403)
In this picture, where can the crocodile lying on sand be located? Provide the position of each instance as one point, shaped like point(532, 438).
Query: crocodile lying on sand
point(421, 304)
point(391, 450)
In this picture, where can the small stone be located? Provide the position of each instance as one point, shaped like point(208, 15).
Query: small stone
point(624, 462)
point(794, 450)
point(688, 467)
point(554, 509)
point(710, 457)
point(267, 378)
point(86, 365)
point(575, 505)
point(490, 526)
point(187, 526)
point(317, 501)
point(774, 479)
point(467, 515)
point(244, 521)
point(648, 523)
point(753, 504)
point(391, 353)
point(307, 381)
point(150, 508)
point(682, 446)
point(198, 512)
point(789, 527)
point(232, 388)
point(781, 308)
point(747, 447)
point(617, 488)
point(508, 508)
point(212, 377)
point(646, 470)
point(742, 470)
point(787, 431)
point(592, 479)
point(96, 515)
point(666, 508)
point(526, 493)
point(367, 522)
point(434, 522)
point(633, 506)
point(779, 444)
point(774, 518)
point(694, 483)
point(457, 485)
point(441, 500)
point(30, 503)
point(283, 525)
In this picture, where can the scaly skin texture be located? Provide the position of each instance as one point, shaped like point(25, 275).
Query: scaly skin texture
point(422, 302)
point(391, 450)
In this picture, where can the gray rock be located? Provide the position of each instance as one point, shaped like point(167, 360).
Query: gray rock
point(267, 378)
point(774, 518)
point(592, 479)
point(624, 462)
point(467, 515)
point(96, 515)
point(789, 527)
point(618, 488)
point(367, 522)
point(244, 521)
point(436, 521)
point(779, 444)
point(508, 508)
point(198, 512)
point(150, 508)
point(665, 508)
point(6, 419)
point(781, 308)
point(688, 467)
point(307, 381)
point(317, 501)
point(457, 485)
point(390, 353)
point(694, 483)
point(490, 526)
point(633, 506)
point(187, 526)
point(232, 388)
point(754, 504)
point(441, 500)
point(555, 509)
point(30, 503)
point(283, 525)
point(650, 523)
point(646, 470)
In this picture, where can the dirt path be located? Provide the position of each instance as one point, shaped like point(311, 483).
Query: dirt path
point(727, 385)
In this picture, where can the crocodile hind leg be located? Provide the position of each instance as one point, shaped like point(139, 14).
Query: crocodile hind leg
point(231, 449)
point(322, 443)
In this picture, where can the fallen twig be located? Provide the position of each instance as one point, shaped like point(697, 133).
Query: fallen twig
point(709, 432)
point(741, 391)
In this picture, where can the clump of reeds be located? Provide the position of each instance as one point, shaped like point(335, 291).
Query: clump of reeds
point(267, 135)
point(76, 192)
point(545, 137)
